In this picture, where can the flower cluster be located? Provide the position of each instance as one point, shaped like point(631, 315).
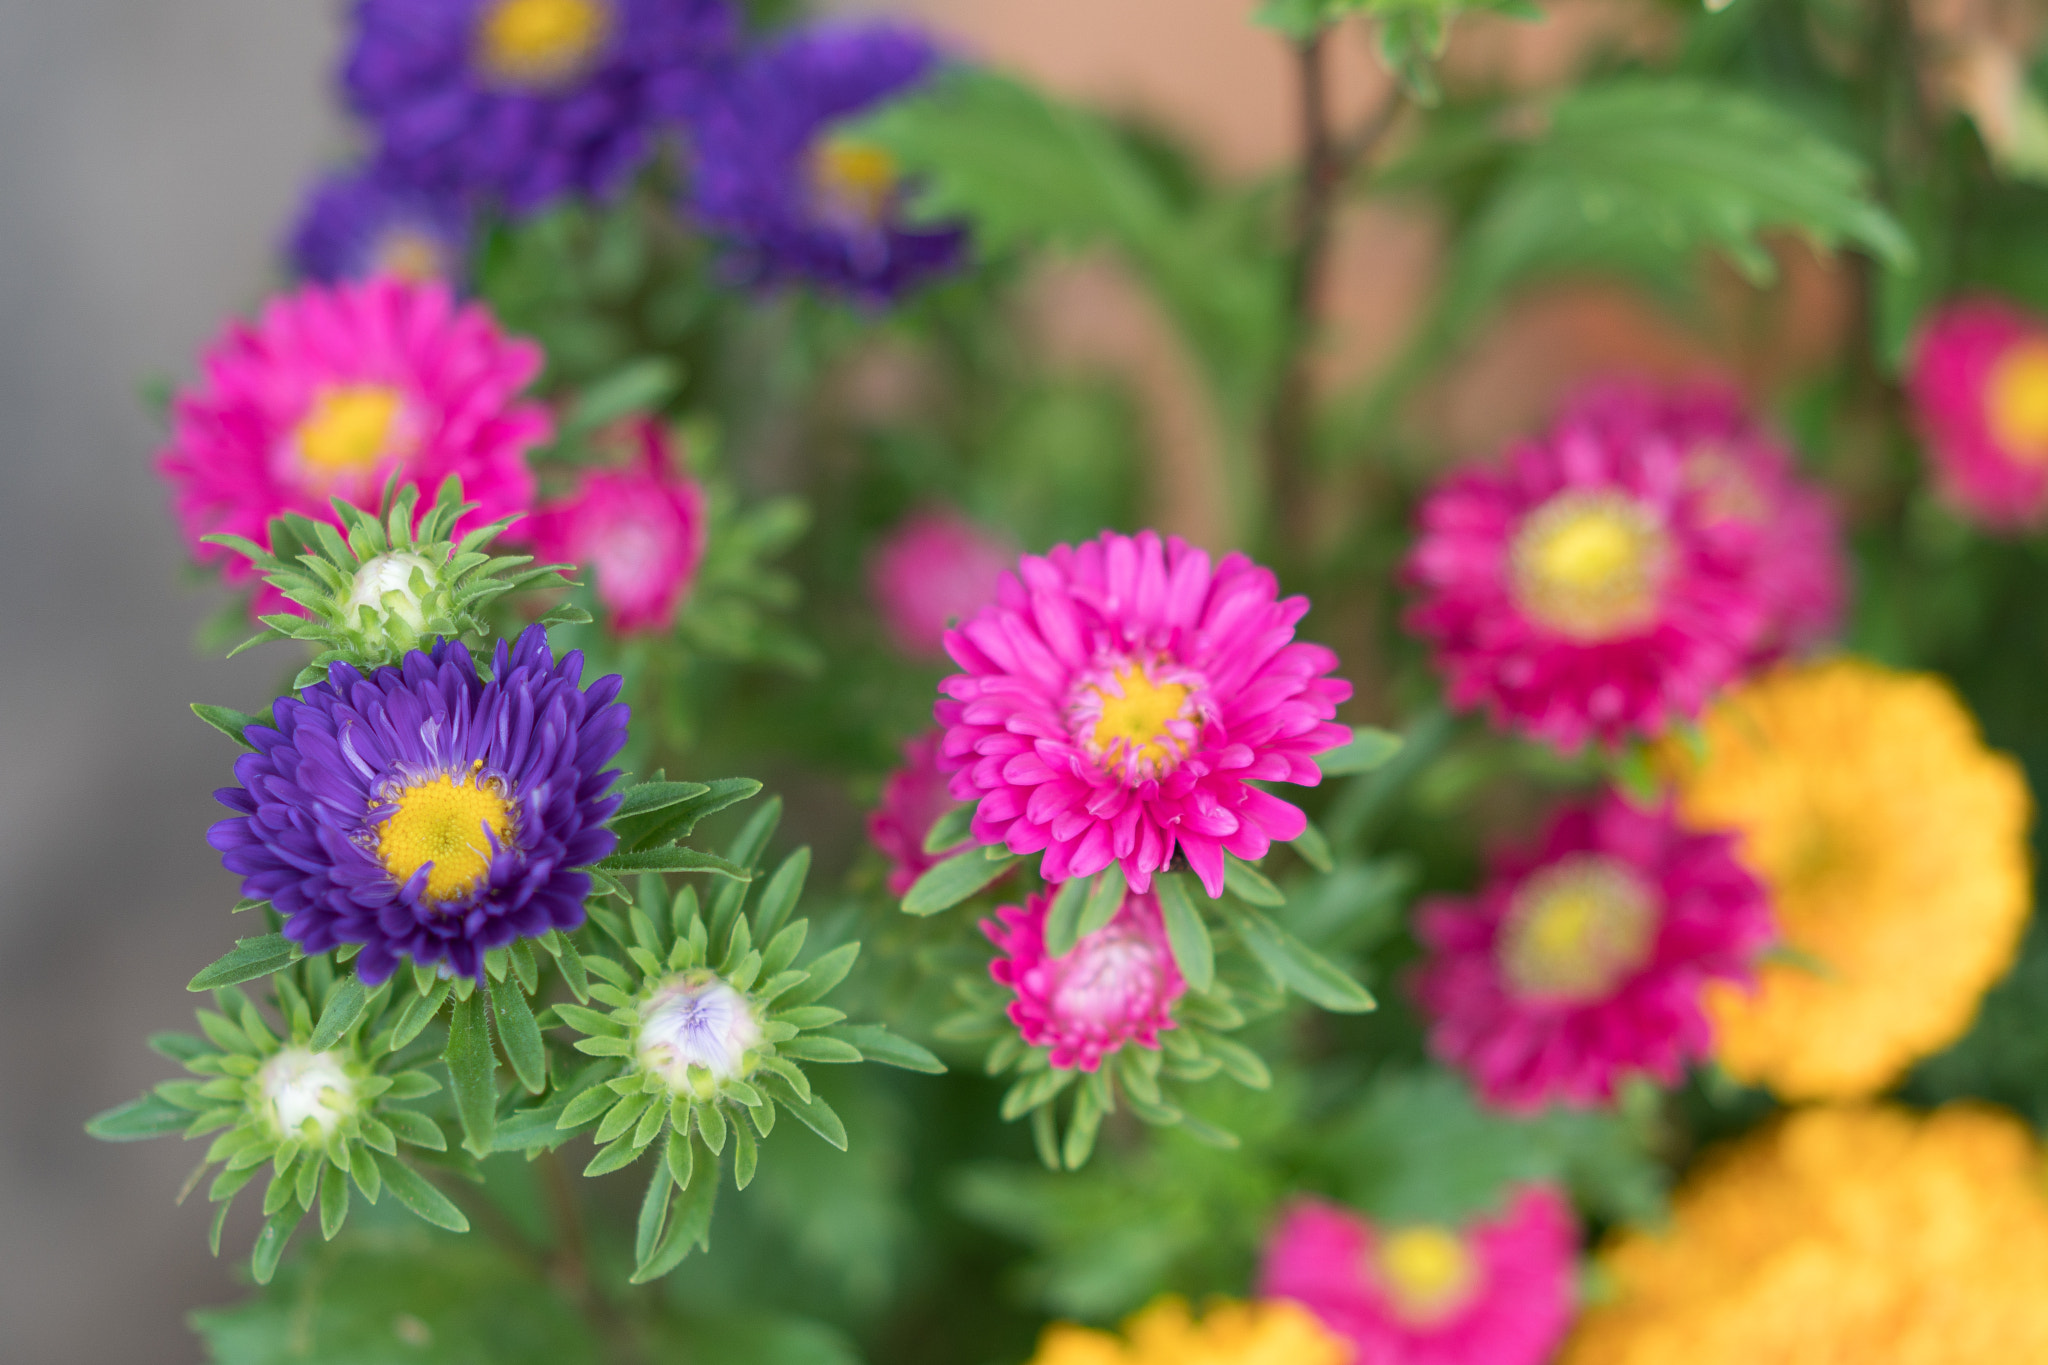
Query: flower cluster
point(1583, 964)
point(1894, 846)
point(1498, 1291)
point(1117, 702)
point(1840, 1236)
point(1167, 1333)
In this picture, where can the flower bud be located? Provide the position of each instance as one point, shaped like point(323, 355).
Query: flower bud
point(697, 1032)
point(385, 585)
point(304, 1093)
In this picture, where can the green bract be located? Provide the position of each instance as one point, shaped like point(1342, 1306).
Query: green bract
point(321, 1105)
point(395, 583)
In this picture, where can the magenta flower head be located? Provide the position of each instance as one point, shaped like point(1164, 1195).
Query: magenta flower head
point(1747, 477)
point(1118, 700)
point(934, 570)
point(640, 532)
point(1116, 986)
point(1587, 589)
point(331, 392)
point(913, 799)
point(425, 813)
point(1496, 1291)
point(1583, 964)
point(1979, 385)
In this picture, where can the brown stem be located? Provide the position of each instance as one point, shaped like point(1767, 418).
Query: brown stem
point(1326, 161)
point(569, 1265)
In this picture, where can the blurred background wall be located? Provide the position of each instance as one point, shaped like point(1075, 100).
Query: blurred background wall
point(150, 151)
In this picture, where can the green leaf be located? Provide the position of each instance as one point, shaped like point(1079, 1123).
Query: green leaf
point(333, 1201)
point(689, 1227)
point(644, 385)
point(953, 881)
point(825, 973)
point(145, 1117)
point(519, 1034)
point(653, 1213)
point(1105, 897)
point(877, 1044)
point(1250, 885)
point(655, 796)
point(1368, 749)
point(1063, 916)
point(417, 1129)
point(343, 1008)
point(950, 830)
point(472, 1069)
point(1295, 965)
point(229, 721)
point(780, 895)
point(673, 858)
point(414, 1191)
point(816, 1115)
point(1186, 932)
point(270, 1242)
point(251, 958)
point(677, 821)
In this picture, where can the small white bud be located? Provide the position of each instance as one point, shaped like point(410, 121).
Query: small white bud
point(299, 1087)
point(391, 574)
point(696, 1032)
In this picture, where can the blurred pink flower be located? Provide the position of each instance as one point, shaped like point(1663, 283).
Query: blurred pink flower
point(1583, 964)
point(640, 532)
point(1116, 986)
point(1120, 698)
point(913, 799)
point(1979, 385)
point(1497, 1291)
point(331, 391)
point(933, 570)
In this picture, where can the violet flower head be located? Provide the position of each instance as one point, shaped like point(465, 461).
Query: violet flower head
point(1979, 385)
point(528, 101)
point(1118, 701)
point(425, 813)
point(1117, 985)
point(796, 198)
point(1584, 964)
point(932, 572)
point(913, 799)
point(358, 223)
point(1497, 1291)
point(1586, 589)
point(641, 533)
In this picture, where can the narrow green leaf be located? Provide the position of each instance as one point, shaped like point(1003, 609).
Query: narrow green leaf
point(229, 721)
point(1314, 849)
point(950, 830)
point(825, 974)
point(333, 1201)
point(746, 1152)
point(953, 881)
point(816, 1047)
point(1063, 918)
point(146, 1117)
point(780, 895)
point(251, 958)
point(1368, 749)
point(815, 1114)
point(653, 1213)
point(1295, 965)
point(1105, 897)
point(654, 796)
point(415, 1129)
point(270, 1243)
point(472, 1068)
point(877, 1044)
point(344, 1007)
point(680, 1156)
point(689, 1227)
point(418, 1195)
point(1250, 885)
point(673, 858)
point(417, 1012)
point(1187, 932)
point(519, 1034)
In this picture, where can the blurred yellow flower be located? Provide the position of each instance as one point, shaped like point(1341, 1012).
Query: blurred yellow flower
point(1840, 1236)
point(1895, 848)
point(1273, 1332)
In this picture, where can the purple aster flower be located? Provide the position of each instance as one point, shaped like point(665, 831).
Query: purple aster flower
point(529, 100)
point(800, 200)
point(354, 224)
point(424, 812)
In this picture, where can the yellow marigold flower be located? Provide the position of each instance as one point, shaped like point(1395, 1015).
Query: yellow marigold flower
point(1894, 845)
point(1841, 1236)
point(1272, 1332)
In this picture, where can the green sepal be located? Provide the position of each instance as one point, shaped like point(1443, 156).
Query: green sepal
point(270, 1243)
point(333, 1201)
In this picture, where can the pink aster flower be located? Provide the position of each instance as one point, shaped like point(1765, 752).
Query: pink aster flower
point(1588, 589)
point(1116, 986)
point(1979, 386)
point(935, 569)
point(1497, 1291)
point(1583, 964)
point(1745, 476)
point(640, 532)
point(1120, 697)
point(335, 387)
point(913, 799)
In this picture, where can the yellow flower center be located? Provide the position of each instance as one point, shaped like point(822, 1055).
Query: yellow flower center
point(348, 429)
point(1590, 565)
point(2016, 403)
point(444, 822)
point(1575, 930)
point(409, 254)
point(542, 42)
point(854, 179)
point(1427, 1271)
point(1135, 714)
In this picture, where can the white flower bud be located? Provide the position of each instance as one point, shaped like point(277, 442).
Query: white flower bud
point(298, 1087)
point(389, 574)
point(696, 1031)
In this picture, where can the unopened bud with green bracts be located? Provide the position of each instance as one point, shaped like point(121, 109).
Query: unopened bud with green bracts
point(381, 586)
point(316, 1092)
point(709, 1020)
